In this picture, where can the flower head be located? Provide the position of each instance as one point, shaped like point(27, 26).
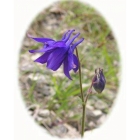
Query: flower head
point(99, 81)
point(59, 52)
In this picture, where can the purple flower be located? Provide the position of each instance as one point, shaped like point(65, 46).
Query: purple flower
point(59, 52)
point(99, 81)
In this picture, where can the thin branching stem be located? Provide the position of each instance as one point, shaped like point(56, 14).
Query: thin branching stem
point(80, 77)
point(82, 96)
point(84, 100)
point(88, 92)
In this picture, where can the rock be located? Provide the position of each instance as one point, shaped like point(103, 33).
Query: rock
point(44, 113)
point(56, 106)
point(88, 106)
point(47, 121)
point(72, 132)
point(97, 113)
point(116, 63)
point(32, 107)
point(49, 27)
point(33, 77)
point(43, 78)
point(27, 67)
point(85, 85)
point(29, 81)
point(101, 120)
point(61, 75)
point(110, 95)
point(91, 102)
point(27, 42)
point(39, 119)
point(30, 112)
point(100, 104)
point(89, 114)
point(39, 96)
point(52, 91)
point(45, 90)
point(52, 21)
point(91, 124)
point(93, 115)
point(71, 113)
point(35, 56)
point(95, 98)
point(60, 130)
point(57, 10)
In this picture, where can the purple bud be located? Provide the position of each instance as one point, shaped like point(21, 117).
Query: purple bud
point(99, 81)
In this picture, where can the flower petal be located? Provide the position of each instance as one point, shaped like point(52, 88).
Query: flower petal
point(59, 44)
point(41, 40)
point(76, 62)
point(56, 58)
point(67, 68)
point(75, 44)
point(43, 58)
point(55, 45)
point(64, 36)
point(70, 61)
point(41, 50)
point(47, 48)
point(48, 44)
point(102, 77)
point(68, 36)
point(71, 40)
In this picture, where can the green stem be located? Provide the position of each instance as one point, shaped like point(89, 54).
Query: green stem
point(80, 78)
point(83, 120)
point(82, 97)
point(88, 92)
point(86, 98)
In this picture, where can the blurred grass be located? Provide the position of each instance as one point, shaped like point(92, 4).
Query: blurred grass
point(99, 49)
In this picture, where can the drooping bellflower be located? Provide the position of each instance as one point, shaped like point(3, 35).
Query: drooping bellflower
point(99, 81)
point(59, 52)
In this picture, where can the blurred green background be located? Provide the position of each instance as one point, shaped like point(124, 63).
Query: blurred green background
point(52, 99)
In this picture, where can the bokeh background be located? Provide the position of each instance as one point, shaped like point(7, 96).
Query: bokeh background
point(52, 99)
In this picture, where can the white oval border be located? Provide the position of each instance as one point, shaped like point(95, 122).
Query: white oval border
point(114, 13)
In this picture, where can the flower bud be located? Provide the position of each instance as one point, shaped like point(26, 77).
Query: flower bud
point(99, 81)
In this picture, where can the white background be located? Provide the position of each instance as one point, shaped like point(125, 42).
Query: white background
point(12, 106)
